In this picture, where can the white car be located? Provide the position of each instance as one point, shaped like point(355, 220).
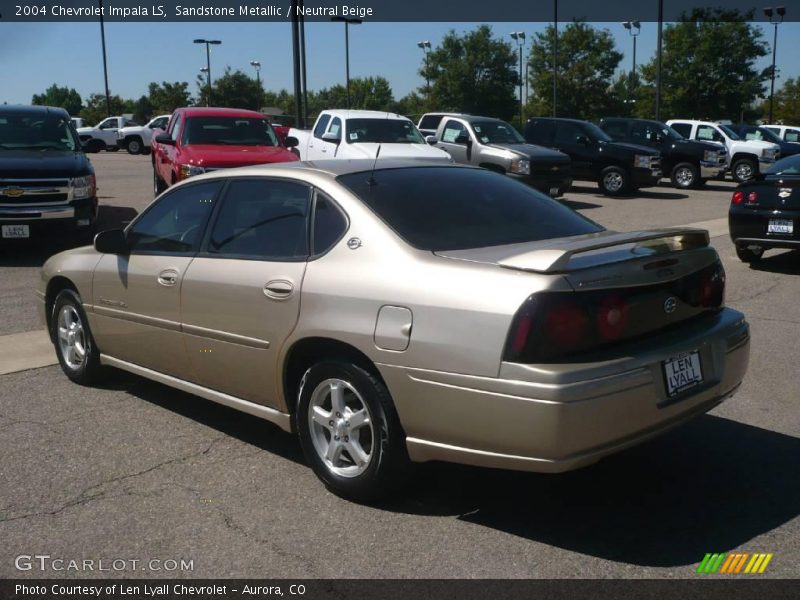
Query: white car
point(788, 133)
point(350, 134)
point(746, 158)
point(103, 136)
point(136, 138)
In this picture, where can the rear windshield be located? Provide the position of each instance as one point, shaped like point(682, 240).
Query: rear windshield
point(235, 131)
point(453, 208)
point(786, 166)
point(496, 132)
point(37, 132)
point(383, 131)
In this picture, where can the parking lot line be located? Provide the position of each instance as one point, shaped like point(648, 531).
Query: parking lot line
point(28, 350)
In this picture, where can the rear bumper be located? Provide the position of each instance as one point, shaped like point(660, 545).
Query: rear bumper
point(748, 227)
point(553, 418)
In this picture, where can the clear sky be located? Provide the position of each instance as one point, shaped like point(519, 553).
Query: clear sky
point(35, 55)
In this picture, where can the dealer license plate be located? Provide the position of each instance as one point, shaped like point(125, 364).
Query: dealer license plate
point(780, 226)
point(16, 231)
point(682, 373)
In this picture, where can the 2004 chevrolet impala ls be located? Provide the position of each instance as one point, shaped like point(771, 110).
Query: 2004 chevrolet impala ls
point(401, 311)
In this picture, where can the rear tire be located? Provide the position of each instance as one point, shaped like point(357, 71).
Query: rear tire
point(349, 430)
point(685, 176)
point(158, 184)
point(134, 145)
point(75, 348)
point(613, 181)
point(746, 255)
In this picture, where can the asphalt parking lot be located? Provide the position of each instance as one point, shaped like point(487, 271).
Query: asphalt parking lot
point(138, 471)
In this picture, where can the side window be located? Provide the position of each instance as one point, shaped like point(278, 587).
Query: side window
point(567, 133)
point(452, 130)
point(755, 134)
point(175, 224)
point(336, 127)
point(262, 218)
point(792, 135)
point(706, 132)
point(176, 127)
point(685, 129)
point(108, 124)
point(329, 224)
point(430, 121)
point(322, 124)
point(617, 130)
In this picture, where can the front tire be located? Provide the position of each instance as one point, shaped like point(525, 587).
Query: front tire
point(744, 169)
point(158, 184)
point(349, 430)
point(685, 176)
point(134, 146)
point(75, 348)
point(613, 181)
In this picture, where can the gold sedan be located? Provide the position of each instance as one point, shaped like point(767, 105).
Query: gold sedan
point(401, 311)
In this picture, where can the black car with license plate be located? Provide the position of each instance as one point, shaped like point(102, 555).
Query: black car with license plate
point(765, 212)
point(47, 184)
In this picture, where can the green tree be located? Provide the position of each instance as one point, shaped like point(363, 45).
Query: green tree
point(64, 97)
point(366, 93)
point(143, 110)
point(474, 73)
point(282, 99)
point(234, 89)
point(412, 106)
point(786, 104)
point(95, 109)
point(167, 96)
point(708, 65)
point(587, 59)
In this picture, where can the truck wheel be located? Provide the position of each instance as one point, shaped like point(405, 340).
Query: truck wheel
point(685, 176)
point(747, 255)
point(158, 184)
point(744, 169)
point(134, 145)
point(613, 181)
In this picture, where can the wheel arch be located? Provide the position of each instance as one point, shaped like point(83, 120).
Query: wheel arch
point(492, 167)
point(55, 286)
point(744, 155)
point(306, 352)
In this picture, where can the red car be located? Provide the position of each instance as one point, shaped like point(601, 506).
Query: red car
point(198, 140)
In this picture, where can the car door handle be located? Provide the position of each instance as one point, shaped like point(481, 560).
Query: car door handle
point(168, 277)
point(278, 289)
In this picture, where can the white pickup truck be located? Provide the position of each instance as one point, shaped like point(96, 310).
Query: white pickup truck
point(746, 158)
point(136, 138)
point(358, 134)
point(103, 136)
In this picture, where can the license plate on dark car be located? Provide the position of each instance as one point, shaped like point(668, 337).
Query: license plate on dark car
point(16, 231)
point(780, 226)
point(682, 373)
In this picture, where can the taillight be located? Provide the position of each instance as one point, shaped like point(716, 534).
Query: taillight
point(566, 325)
point(738, 197)
point(712, 288)
point(752, 198)
point(612, 317)
point(522, 329)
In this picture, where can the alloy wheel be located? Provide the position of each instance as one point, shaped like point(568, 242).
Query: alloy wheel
point(72, 339)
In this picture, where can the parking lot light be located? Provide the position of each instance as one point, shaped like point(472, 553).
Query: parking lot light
point(634, 28)
point(775, 16)
point(347, 22)
point(519, 37)
point(208, 63)
point(257, 66)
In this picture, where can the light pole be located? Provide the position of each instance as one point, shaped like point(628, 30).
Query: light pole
point(776, 18)
point(519, 37)
point(634, 28)
point(555, 55)
point(426, 47)
point(208, 63)
point(105, 63)
point(257, 66)
point(347, 22)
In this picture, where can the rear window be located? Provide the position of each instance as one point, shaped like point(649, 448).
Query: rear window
point(430, 121)
point(786, 166)
point(452, 208)
point(236, 131)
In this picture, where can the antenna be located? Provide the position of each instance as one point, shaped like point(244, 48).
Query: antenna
point(371, 181)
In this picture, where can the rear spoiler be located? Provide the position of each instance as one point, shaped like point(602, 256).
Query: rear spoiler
point(556, 258)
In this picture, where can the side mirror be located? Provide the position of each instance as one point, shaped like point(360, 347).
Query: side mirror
point(431, 139)
point(463, 138)
point(331, 137)
point(291, 141)
point(111, 241)
point(165, 138)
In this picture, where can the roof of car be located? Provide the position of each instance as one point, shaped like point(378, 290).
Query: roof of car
point(32, 110)
point(203, 111)
point(365, 114)
point(474, 118)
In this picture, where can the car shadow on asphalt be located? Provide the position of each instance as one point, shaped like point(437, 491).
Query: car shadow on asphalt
point(579, 205)
point(786, 263)
point(709, 486)
point(637, 194)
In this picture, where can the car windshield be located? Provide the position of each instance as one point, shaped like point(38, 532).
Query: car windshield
point(383, 131)
point(597, 133)
point(496, 132)
point(786, 166)
point(729, 132)
point(235, 131)
point(37, 132)
point(455, 208)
